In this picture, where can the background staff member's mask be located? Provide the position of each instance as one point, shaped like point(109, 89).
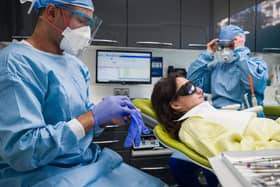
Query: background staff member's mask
point(224, 51)
point(75, 40)
point(225, 55)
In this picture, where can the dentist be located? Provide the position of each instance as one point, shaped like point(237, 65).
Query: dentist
point(47, 122)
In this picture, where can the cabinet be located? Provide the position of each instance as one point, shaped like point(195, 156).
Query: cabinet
point(25, 23)
point(113, 30)
point(259, 17)
point(220, 15)
point(113, 137)
point(156, 166)
point(196, 23)
point(242, 13)
point(7, 18)
point(154, 23)
point(164, 23)
point(238, 12)
point(154, 162)
point(268, 26)
point(14, 20)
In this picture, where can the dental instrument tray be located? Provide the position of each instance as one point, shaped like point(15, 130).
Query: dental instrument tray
point(254, 168)
point(148, 142)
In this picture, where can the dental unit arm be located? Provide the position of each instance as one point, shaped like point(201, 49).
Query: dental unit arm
point(254, 100)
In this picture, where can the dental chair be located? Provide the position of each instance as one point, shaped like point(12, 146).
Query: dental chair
point(188, 161)
point(150, 119)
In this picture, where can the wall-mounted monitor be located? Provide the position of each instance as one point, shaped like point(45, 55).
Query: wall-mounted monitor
point(123, 67)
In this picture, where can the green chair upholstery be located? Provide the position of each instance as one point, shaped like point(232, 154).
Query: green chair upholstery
point(146, 108)
point(272, 111)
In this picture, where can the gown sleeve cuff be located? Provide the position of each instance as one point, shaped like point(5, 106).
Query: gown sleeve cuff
point(207, 55)
point(77, 128)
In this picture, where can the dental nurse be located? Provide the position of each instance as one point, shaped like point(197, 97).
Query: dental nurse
point(47, 122)
point(224, 72)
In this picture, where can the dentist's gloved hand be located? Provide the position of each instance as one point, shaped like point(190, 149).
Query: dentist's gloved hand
point(136, 128)
point(111, 107)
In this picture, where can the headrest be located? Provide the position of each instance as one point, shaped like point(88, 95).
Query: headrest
point(145, 106)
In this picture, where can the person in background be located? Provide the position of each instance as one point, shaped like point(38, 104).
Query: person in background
point(183, 112)
point(223, 70)
point(47, 122)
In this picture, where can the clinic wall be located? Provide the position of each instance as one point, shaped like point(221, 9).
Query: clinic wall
point(176, 58)
point(179, 58)
point(273, 90)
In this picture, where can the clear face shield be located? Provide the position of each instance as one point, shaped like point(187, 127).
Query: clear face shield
point(224, 51)
point(80, 32)
point(80, 19)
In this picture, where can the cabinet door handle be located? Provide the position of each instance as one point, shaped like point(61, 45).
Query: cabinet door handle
point(20, 37)
point(155, 43)
point(113, 126)
point(105, 41)
point(271, 49)
point(110, 125)
point(197, 45)
point(154, 168)
point(106, 142)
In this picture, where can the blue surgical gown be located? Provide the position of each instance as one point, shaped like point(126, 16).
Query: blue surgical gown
point(39, 93)
point(228, 82)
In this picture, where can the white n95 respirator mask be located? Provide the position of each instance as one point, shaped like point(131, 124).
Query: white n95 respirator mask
point(75, 40)
point(224, 52)
point(225, 55)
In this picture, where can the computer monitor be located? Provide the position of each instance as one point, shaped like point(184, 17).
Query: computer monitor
point(123, 67)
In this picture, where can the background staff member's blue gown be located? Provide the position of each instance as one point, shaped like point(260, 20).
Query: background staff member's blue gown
point(228, 82)
point(39, 93)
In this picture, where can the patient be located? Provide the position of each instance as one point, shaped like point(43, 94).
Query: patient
point(181, 108)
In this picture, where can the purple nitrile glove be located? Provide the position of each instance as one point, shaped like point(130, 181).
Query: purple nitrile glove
point(135, 129)
point(111, 107)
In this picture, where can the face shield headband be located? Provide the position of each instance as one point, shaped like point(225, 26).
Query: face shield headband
point(221, 44)
point(85, 20)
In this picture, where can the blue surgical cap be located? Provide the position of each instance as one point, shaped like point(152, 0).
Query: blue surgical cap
point(230, 31)
point(81, 3)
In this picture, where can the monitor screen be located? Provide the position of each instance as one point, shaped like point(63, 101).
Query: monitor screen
point(125, 67)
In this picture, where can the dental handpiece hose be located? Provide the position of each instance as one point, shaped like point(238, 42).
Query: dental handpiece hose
point(254, 99)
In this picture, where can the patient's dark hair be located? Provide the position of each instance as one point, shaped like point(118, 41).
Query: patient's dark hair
point(163, 92)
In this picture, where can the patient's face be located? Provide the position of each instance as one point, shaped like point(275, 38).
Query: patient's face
point(186, 102)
